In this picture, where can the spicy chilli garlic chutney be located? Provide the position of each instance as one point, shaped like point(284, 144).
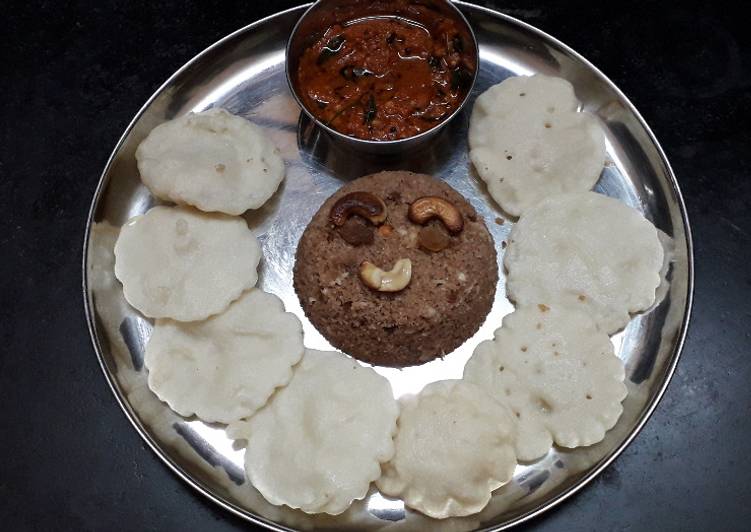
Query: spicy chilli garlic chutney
point(388, 77)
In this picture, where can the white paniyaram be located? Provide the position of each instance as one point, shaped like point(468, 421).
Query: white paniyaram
point(213, 160)
point(557, 372)
point(586, 251)
point(225, 368)
point(175, 262)
point(319, 443)
point(528, 141)
point(455, 445)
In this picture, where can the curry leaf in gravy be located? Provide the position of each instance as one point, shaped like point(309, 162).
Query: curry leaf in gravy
point(461, 78)
point(458, 44)
point(340, 112)
point(332, 48)
point(370, 110)
point(351, 73)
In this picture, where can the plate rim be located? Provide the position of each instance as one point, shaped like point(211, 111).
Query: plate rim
point(204, 490)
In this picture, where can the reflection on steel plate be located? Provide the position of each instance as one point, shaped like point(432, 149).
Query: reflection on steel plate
point(245, 74)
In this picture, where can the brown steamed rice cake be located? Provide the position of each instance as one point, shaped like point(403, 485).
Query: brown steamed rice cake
point(450, 288)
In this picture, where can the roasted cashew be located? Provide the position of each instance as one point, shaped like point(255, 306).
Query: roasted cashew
point(424, 209)
point(386, 281)
point(364, 204)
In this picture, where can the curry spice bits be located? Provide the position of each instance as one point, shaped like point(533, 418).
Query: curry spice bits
point(387, 78)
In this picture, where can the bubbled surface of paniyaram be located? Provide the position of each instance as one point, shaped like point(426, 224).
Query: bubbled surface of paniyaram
point(320, 441)
point(225, 368)
point(586, 251)
point(558, 374)
point(179, 263)
point(212, 160)
point(528, 141)
point(455, 445)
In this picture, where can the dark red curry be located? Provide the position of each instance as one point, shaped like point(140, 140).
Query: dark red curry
point(387, 78)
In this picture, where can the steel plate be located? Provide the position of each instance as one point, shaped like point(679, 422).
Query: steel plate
point(244, 73)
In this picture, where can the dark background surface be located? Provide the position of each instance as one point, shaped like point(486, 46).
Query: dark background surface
point(73, 74)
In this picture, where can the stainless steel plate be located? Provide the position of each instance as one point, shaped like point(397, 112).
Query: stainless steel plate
point(244, 73)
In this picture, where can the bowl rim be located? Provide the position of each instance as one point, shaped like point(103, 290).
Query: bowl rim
point(423, 135)
point(196, 483)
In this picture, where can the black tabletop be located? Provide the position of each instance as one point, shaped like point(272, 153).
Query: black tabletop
point(75, 73)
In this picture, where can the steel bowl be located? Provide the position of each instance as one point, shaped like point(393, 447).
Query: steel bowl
point(323, 14)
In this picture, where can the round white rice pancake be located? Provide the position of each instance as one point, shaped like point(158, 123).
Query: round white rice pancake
point(557, 372)
point(212, 160)
point(587, 251)
point(175, 262)
point(527, 141)
point(319, 443)
point(225, 368)
point(454, 446)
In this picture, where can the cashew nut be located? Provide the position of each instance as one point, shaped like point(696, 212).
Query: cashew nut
point(426, 208)
point(391, 281)
point(364, 204)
